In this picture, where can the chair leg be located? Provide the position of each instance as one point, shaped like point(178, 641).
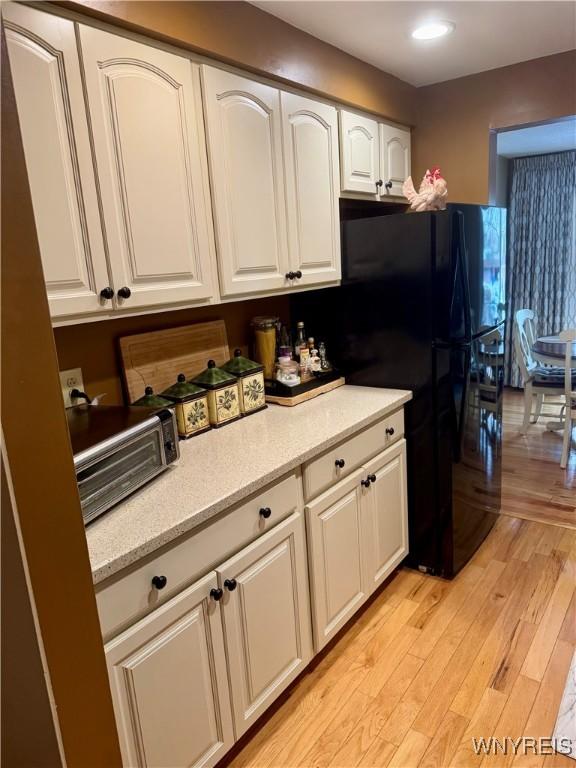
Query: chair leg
point(527, 407)
point(539, 403)
point(567, 440)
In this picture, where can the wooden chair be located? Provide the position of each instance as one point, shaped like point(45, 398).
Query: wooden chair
point(537, 380)
point(569, 337)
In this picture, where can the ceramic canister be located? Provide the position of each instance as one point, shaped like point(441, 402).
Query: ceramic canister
point(191, 403)
point(250, 377)
point(223, 394)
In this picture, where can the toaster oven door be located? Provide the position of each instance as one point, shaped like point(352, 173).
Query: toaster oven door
point(111, 477)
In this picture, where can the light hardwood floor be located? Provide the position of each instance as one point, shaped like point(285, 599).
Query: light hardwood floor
point(533, 485)
point(429, 664)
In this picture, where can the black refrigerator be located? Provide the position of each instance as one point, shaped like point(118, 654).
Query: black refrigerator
point(421, 307)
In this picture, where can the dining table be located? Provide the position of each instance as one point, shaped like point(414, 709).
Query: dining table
point(551, 350)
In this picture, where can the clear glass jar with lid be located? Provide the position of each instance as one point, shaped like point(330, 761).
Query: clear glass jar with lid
point(288, 372)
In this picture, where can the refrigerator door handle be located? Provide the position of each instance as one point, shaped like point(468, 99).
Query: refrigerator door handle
point(461, 275)
point(459, 419)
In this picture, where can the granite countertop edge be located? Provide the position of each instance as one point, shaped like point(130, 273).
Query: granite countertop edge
point(106, 569)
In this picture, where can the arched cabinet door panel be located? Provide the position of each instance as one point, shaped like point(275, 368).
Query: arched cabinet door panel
point(245, 152)
point(146, 120)
point(46, 74)
point(359, 153)
point(310, 135)
point(394, 159)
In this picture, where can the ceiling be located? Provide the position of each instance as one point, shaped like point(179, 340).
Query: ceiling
point(487, 34)
point(538, 139)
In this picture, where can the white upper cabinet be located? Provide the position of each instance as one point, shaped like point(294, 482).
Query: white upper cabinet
point(394, 159)
point(48, 88)
point(359, 153)
point(146, 122)
point(169, 684)
point(310, 134)
point(245, 151)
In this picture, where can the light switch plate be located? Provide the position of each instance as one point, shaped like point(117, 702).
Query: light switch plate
point(69, 380)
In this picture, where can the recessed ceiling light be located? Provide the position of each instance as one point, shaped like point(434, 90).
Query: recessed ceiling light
point(432, 30)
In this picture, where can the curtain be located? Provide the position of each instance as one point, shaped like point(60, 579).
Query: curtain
point(541, 246)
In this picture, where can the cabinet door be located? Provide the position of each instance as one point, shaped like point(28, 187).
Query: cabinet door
point(394, 159)
point(310, 135)
point(146, 121)
point(266, 618)
point(359, 150)
point(169, 686)
point(243, 124)
point(46, 73)
point(336, 542)
point(386, 513)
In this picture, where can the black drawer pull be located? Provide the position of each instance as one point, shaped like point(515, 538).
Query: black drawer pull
point(390, 431)
point(231, 584)
point(340, 463)
point(216, 594)
point(372, 478)
point(265, 512)
point(365, 483)
point(159, 582)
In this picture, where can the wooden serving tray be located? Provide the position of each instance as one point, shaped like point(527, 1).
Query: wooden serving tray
point(309, 395)
point(155, 359)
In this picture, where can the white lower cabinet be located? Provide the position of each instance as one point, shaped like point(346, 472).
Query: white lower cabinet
point(169, 683)
point(267, 618)
point(387, 508)
point(357, 535)
point(336, 532)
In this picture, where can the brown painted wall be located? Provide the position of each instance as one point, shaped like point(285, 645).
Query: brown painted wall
point(94, 346)
point(455, 118)
point(243, 35)
point(39, 461)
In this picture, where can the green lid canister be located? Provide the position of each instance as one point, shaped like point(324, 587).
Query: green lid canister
point(223, 394)
point(250, 377)
point(191, 403)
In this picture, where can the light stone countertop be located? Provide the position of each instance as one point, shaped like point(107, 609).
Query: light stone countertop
point(223, 466)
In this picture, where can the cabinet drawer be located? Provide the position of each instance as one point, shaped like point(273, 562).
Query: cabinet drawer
point(321, 473)
point(132, 595)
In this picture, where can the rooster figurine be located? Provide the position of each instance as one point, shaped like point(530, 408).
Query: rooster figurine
point(432, 193)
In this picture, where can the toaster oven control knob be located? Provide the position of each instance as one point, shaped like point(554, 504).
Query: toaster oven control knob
point(159, 582)
point(231, 584)
point(107, 293)
point(169, 445)
point(340, 463)
point(265, 512)
point(390, 431)
point(216, 594)
point(125, 292)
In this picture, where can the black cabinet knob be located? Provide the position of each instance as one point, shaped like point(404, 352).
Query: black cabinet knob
point(379, 184)
point(388, 185)
point(372, 478)
point(340, 463)
point(365, 483)
point(298, 274)
point(265, 512)
point(216, 594)
point(231, 584)
point(290, 275)
point(159, 582)
point(107, 293)
point(390, 431)
point(124, 292)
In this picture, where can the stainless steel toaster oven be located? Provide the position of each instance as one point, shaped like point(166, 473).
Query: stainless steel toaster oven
point(116, 450)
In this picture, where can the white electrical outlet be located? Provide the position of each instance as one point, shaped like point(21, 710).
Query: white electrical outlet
point(70, 380)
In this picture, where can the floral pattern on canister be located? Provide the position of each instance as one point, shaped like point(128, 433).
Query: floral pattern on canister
point(253, 391)
point(227, 405)
point(197, 415)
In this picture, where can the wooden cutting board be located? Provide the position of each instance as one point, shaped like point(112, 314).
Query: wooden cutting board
point(155, 359)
